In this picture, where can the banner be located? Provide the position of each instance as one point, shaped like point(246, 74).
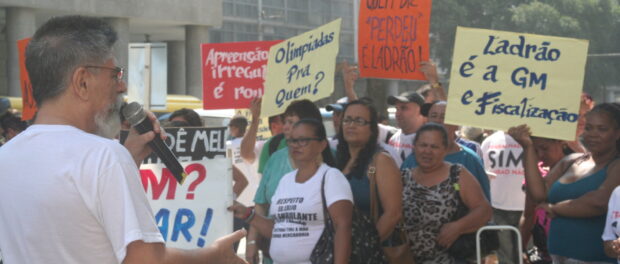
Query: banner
point(502, 79)
point(193, 214)
point(301, 67)
point(393, 38)
point(29, 106)
point(233, 73)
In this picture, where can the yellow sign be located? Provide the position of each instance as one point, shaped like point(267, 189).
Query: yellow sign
point(301, 67)
point(263, 124)
point(501, 79)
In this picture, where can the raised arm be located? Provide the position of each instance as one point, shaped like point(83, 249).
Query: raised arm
point(249, 140)
point(390, 189)
point(535, 185)
point(430, 73)
point(349, 75)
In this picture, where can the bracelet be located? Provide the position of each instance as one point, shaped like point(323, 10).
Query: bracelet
point(251, 242)
point(436, 85)
point(251, 216)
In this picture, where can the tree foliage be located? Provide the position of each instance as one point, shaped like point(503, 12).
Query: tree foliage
point(595, 20)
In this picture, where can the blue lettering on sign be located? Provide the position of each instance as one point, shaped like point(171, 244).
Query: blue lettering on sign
point(161, 218)
point(205, 227)
point(285, 95)
point(520, 75)
point(523, 110)
point(540, 52)
point(183, 221)
point(291, 52)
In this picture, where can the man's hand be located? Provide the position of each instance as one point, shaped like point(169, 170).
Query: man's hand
point(138, 144)
point(349, 74)
point(255, 105)
point(223, 248)
point(430, 71)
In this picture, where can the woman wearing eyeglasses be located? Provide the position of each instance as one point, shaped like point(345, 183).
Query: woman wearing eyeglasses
point(358, 150)
point(297, 204)
point(275, 168)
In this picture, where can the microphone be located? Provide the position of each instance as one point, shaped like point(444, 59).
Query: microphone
point(136, 116)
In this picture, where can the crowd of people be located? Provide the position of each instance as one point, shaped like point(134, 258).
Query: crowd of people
point(414, 178)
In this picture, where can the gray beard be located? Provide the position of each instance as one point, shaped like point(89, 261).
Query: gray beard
point(108, 121)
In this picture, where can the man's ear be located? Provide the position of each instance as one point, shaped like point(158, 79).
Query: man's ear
point(79, 82)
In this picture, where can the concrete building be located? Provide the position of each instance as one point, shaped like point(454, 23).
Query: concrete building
point(183, 24)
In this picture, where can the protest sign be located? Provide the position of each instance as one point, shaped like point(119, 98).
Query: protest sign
point(502, 79)
point(393, 38)
point(233, 73)
point(192, 214)
point(301, 67)
point(29, 106)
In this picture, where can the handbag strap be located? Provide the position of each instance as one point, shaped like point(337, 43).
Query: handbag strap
point(326, 217)
point(375, 199)
point(374, 191)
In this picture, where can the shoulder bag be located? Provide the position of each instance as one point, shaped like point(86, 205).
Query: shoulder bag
point(365, 247)
point(464, 248)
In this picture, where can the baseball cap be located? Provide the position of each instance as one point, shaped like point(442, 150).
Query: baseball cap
point(406, 97)
point(338, 106)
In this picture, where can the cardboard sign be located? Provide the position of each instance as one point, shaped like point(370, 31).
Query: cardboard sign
point(233, 73)
point(301, 67)
point(194, 214)
point(501, 79)
point(393, 38)
point(29, 106)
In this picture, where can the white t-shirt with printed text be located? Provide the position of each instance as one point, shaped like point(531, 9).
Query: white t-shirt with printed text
point(297, 210)
point(67, 196)
point(503, 156)
point(403, 144)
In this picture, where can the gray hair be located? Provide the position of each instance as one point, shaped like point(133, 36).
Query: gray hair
point(60, 46)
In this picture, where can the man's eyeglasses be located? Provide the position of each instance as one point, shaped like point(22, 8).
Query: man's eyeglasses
point(302, 142)
point(119, 71)
point(357, 121)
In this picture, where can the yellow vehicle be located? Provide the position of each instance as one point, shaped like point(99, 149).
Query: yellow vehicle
point(173, 102)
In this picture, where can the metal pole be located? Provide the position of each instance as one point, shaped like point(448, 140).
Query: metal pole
point(498, 228)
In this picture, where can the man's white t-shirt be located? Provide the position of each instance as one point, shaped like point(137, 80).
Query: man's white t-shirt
point(612, 228)
point(503, 156)
point(297, 210)
point(67, 196)
point(403, 144)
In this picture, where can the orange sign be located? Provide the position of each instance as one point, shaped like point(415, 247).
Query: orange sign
point(393, 38)
point(29, 106)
